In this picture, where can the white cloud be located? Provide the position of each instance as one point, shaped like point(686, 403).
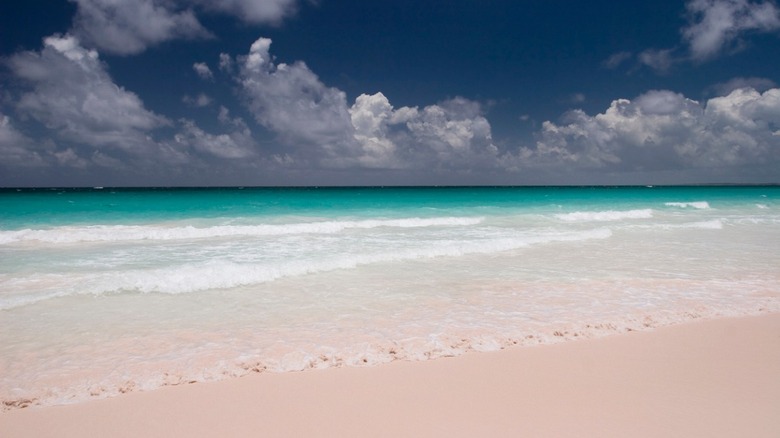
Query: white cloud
point(451, 134)
point(225, 63)
point(97, 122)
point(73, 95)
point(760, 84)
point(290, 100)
point(224, 116)
point(660, 60)
point(746, 109)
point(203, 70)
point(236, 144)
point(370, 116)
point(717, 25)
point(200, 101)
point(455, 130)
point(617, 59)
point(252, 11)
point(127, 27)
point(16, 149)
point(714, 27)
point(663, 130)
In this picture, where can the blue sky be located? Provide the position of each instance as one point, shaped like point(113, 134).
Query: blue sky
point(290, 92)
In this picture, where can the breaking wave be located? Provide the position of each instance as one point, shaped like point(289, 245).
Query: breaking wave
point(605, 216)
point(701, 205)
point(223, 274)
point(115, 233)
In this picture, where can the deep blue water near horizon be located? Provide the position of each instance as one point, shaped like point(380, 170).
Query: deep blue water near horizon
point(104, 291)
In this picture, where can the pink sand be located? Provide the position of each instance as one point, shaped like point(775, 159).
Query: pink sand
point(718, 378)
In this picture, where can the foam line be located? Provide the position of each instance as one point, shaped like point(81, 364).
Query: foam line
point(222, 274)
point(701, 205)
point(114, 233)
point(605, 216)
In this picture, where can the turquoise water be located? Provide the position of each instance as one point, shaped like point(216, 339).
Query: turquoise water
point(53, 207)
point(109, 290)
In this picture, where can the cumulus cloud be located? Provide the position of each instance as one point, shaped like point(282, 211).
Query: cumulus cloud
point(371, 117)
point(203, 70)
point(90, 121)
point(130, 26)
point(290, 100)
point(72, 93)
point(454, 129)
point(96, 123)
point(717, 25)
point(760, 84)
point(450, 134)
point(714, 27)
point(236, 144)
point(16, 149)
point(252, 11)
point(662, 130)
point(126, 27)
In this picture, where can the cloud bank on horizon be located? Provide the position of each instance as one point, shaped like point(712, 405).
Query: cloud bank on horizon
point(64, 120)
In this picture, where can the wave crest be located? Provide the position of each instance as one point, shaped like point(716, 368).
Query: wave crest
point(223, 274)
point(115, 233)
point(605, 216)
point(700, 205)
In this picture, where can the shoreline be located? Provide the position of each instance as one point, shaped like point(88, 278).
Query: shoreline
point(718, 377)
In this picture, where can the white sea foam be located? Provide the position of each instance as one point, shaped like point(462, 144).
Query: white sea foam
point(223, 274)
point(115, 233)
point(701, 205)
point(605, 216)
point(762, 206)
point(715, 224)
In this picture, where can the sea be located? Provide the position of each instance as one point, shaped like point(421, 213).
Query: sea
point(107, 290)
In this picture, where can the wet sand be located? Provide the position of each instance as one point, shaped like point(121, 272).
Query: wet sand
point(716, 378)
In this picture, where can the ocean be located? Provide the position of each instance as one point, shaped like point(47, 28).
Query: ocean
point(105, 291)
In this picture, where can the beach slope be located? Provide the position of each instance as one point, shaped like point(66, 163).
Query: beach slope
point(717, 378)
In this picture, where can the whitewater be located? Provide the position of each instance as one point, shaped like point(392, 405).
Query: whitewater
point(105, 291)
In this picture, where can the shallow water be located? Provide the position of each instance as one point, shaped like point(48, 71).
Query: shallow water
point(107, 291)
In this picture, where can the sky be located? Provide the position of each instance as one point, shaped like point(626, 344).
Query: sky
point(350, 92)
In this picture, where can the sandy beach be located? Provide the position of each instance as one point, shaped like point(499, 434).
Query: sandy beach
point(716, 378)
